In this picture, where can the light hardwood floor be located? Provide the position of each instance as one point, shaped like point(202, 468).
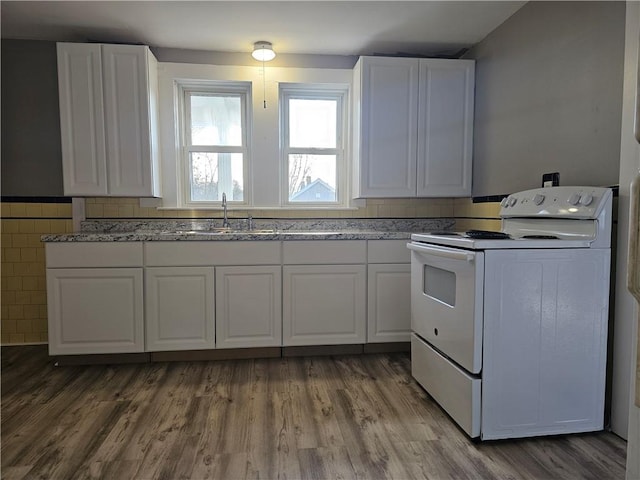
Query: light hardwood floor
point(342, 417)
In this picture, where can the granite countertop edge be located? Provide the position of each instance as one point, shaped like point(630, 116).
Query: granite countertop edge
point(263, 230)
point(232, 236)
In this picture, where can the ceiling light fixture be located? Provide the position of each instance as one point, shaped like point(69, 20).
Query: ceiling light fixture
point(263, 51)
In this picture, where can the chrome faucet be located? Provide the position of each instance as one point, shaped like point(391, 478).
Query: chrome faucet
point(225, 221)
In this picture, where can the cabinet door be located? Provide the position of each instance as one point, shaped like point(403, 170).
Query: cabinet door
point(445, 128)
point(81, 119)
point(389, 116)
point(324, 304)
point(180, 308)
point(248, 307)
point(96, 310)
point(389, 301)
point(126, 93)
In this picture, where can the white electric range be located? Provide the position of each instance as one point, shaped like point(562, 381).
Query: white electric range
point(510, 331)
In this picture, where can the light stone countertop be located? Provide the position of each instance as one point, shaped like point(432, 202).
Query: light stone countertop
point(204, 230)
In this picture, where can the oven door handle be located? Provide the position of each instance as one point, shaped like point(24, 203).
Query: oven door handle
point(441, 252)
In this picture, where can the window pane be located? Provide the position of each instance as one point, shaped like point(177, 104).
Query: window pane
point(312, 123)
point(312, 178)
point(216, 120)
point(212, 174)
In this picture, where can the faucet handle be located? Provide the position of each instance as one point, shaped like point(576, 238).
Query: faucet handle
point(250, 222)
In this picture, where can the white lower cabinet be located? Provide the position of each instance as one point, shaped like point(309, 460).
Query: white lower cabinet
point(389, 291)
point(95, 310)
point(125, 297)
point(248, 306)
point(95, 297)
point(180, 312)
point(324, 304)
point(389, 302)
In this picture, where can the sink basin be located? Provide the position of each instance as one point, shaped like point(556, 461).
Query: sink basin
point(216, 231)
point(311, 232)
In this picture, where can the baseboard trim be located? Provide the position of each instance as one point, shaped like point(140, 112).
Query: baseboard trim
point(227, 354)
point(387, 347)
point(321, 350)
point(220, 354)
point(100, 359)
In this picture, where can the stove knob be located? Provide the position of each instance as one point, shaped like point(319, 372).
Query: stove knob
point(586, 200)
point(503, 203)
point(538, 199)
point(574, 198)
point(512, 201)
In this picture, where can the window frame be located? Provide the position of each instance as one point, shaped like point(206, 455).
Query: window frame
point(311, 91)
point(241, 89)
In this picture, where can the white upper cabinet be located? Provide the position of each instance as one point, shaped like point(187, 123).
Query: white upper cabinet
point(108, 119)
point(445, 127)
point(388, 116)
point(413, 127)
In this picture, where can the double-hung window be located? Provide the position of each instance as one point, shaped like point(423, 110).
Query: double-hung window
point(215, 153)
point(313, 143)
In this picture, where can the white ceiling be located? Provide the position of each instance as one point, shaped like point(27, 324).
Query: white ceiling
point(296, 27)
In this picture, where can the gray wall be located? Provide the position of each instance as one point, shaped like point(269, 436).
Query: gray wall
point(549, 97)
point(31, 152)
point(177, 55)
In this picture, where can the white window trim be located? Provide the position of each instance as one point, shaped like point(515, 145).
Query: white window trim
point(243, 90)
point(316, 91)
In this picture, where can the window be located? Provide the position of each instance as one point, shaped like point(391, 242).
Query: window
point(215, 136)
point(313, 145)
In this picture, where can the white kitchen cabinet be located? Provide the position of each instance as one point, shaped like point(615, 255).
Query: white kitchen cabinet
point(248, 306)
point(388, 291)
point(389, 299)
point(413, 125)
point(180, 312)
point(324, 292)
point(445, 127)
point(324, 304)
point(222, 294)
point(93, 308)
point(108, 119)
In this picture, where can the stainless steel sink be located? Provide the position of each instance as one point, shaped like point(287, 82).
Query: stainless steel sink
point(217, 231)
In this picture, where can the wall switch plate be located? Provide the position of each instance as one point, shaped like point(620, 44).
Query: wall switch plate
point(551, 179)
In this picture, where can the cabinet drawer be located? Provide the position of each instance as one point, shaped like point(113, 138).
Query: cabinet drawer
point(172, 254)
point(324, 252)
point(455, 390)
point(388, 251)
point(86, 255)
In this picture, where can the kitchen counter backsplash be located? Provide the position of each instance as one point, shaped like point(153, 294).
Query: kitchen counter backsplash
point(263, 229)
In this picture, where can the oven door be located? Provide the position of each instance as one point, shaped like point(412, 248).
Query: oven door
point(446, 301)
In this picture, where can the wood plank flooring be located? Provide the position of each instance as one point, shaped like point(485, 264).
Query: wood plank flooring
point(342, 417)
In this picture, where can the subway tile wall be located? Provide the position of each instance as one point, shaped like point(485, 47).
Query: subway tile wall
point(97, 208)
point(23, 316)
point(23, 286)
point(479, 216)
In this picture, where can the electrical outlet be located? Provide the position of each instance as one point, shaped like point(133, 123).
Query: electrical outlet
point(551, 179)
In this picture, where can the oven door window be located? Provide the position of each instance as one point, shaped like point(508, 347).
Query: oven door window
point(439, 284)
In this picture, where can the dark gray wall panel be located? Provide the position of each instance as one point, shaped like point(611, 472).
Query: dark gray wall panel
point(31, 152)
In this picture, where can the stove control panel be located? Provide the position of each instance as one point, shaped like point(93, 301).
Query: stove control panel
point(557, 202)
